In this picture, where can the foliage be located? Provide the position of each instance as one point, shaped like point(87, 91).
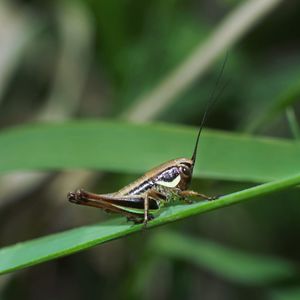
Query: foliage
point(78, 78)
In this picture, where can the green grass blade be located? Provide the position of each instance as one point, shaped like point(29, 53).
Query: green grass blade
point(292, 120)
point(285, 293)
point(130, 148)
point(280, 88)
point(231, 264)
point(49, 247)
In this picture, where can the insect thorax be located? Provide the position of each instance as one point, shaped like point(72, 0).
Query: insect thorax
point(169, 177)
point(171, 194)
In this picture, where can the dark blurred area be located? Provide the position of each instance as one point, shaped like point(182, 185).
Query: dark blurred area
point(63, 60)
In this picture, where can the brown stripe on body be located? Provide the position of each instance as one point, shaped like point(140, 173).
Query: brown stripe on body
point(147, 181)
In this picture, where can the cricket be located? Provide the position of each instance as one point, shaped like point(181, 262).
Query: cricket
point(161, 186)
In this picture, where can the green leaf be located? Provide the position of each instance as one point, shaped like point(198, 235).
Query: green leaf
point(287, 293)
point(130, 148)
point(273, 90)
point(292, 120)
point(232, 264)
point(32, 252)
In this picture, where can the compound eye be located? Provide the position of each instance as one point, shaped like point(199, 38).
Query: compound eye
point(186, 171)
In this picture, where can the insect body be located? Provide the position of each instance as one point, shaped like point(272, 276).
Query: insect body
point(164, 184)
point(138, 201)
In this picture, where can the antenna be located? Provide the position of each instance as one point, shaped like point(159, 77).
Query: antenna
point(211, 102)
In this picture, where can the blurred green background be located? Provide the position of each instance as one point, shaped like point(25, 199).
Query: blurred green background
point(65, 60)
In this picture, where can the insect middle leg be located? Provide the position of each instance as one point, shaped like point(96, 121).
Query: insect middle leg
point(151, 195)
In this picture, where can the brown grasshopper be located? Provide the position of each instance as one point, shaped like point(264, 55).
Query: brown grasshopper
point(158, 187)
point(164, 184)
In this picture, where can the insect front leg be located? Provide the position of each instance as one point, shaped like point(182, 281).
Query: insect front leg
point(193, 194)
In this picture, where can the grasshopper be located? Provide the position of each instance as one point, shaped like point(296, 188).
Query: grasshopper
point(158, 187)
point(165, 184)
